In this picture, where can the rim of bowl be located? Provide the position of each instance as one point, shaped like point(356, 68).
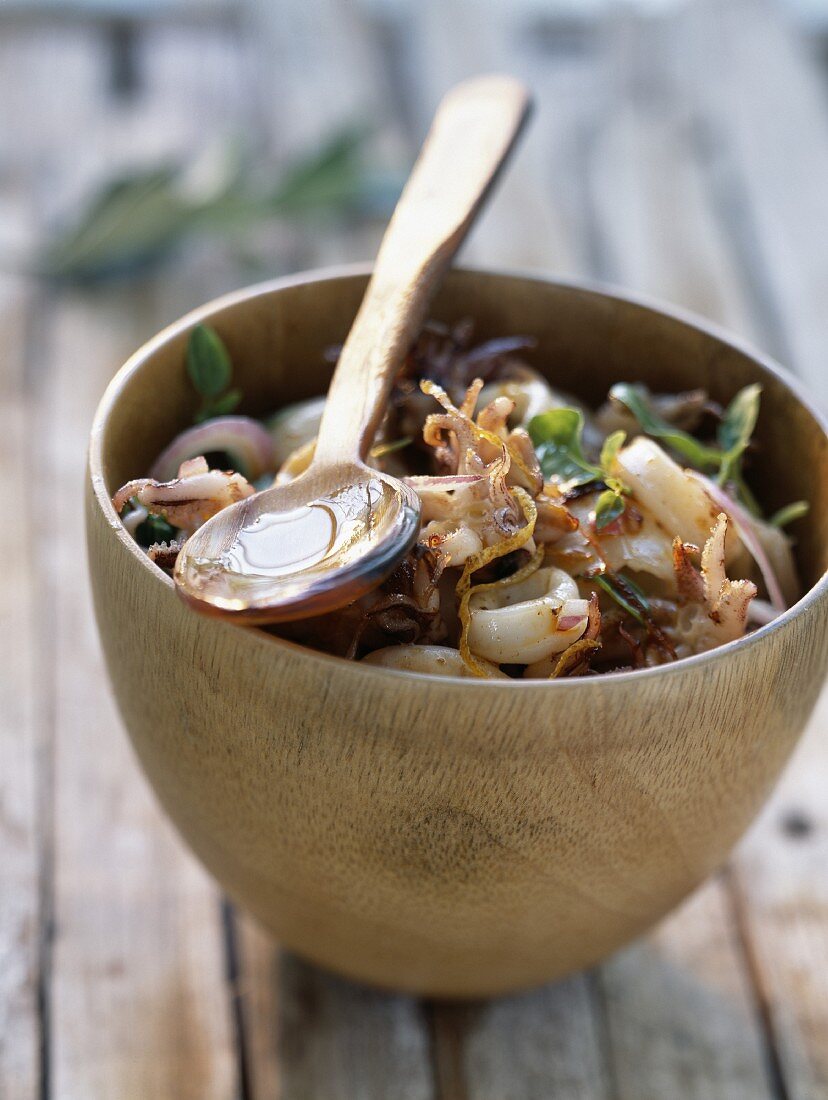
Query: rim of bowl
point(112, 392)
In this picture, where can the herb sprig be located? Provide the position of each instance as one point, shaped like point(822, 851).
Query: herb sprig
point(732, 437)
point(626, 594)
point(557, 436)
point(138, 218)
point(211, 371)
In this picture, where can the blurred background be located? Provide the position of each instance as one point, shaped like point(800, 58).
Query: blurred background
point(155, 153)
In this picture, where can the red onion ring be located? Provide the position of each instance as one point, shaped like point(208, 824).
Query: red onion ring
point(243, 439)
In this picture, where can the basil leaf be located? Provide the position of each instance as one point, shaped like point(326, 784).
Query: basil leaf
point(609, 506)
point(789, 513)
point(739, 419)
point(556, 436)
point(634, 603)
point(736, 428)
point(208, 362)
point(220, 407)
point(154, 529)
point(623, 579)
point(612, 445)
point(636, 399)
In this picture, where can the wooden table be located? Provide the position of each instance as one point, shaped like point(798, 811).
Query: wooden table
point(684, 156)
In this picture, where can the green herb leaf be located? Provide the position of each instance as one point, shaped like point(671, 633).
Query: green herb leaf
point(222, 405)
point(609, 506)
point(382, 449)
point(636, 399)
point(208, 362)
point(789, 513)
point(626, 594)
point(154, 529)
point(556, 436)
point(736, 428)
point(139, 218)
point(612, 445)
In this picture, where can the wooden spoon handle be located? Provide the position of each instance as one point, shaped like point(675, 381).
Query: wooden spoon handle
point(473, 132)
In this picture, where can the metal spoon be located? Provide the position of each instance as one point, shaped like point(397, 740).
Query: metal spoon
point(323, 540)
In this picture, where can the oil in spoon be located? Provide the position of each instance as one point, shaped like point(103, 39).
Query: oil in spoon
point(294, 546)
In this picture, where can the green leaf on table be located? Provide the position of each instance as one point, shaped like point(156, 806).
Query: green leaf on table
point(736, 428)
point(789, 513)
point(556, 436)
point(330, 174)
point(636, 398)
point(140, 217)
point(136, 215)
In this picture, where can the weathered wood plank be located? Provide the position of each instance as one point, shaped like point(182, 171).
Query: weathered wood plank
point(681, 1013)
point(545, 1043)
point(138, 1003)
point(763, 104)
point(782, 893)
point(536, 218)
point(308, 1034)
point(19, 718)
point(765, 112)
point(680, 1009)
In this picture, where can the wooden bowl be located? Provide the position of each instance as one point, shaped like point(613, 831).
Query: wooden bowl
point(446, 836)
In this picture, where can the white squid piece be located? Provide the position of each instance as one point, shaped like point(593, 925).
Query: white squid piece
point(524, 622)
point(436, 660)
point(670, 501)
point(190, 499)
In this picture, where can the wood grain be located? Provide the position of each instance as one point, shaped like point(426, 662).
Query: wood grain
point(675, 1000)
point(151, 948)
point(21, 761)
point(136, 1002)
point(783, 903)
point(473, 833)
point(534, 1045)
point(550, 1041)
point(682, 1014)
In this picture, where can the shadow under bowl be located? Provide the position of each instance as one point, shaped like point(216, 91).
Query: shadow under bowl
point(451, 837)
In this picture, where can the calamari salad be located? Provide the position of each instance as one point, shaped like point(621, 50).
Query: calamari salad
point(556, 541)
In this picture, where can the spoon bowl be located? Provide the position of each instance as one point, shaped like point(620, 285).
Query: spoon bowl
point(300, 549)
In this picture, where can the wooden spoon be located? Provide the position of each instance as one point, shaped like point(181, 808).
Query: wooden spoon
point(323, 540)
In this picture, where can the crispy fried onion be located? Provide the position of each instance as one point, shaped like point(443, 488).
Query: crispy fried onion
point(519, 538)
point(190, 499)
point(462, 445)
point(716, 608)
point(478, 508)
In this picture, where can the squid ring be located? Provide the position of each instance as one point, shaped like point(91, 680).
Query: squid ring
point(524, 622)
